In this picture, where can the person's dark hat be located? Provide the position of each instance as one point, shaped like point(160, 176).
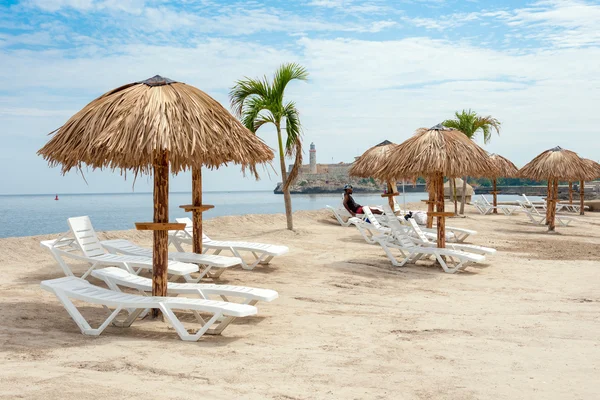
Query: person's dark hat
point(348, 187)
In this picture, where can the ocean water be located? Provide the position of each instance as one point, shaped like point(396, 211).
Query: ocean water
point(28, 215)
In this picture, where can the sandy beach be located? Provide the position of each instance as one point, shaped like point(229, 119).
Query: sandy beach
point(347, 324)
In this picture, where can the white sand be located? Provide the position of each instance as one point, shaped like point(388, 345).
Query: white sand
point(347, 325)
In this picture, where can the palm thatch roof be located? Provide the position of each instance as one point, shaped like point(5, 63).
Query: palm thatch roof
point(593, 167)
point(436, 150)
point(371, 160)
point(503, 167)
point(556, 163)
point(124, 129)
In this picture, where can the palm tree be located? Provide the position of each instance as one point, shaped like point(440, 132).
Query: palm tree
point(257, 102)
point(470, 124)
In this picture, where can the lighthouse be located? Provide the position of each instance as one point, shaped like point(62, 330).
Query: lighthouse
point(313, 159)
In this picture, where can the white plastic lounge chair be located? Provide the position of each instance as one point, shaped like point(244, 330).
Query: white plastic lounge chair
point(486, 208)
point(343, 216)
point(457, 235)
point(81, 243)
point(71, 287)
point(413, 252)
point(423, 240)
point(539, 204)
point(572, 207)
point(263, 253)
point(537, 218)
point(206, 262)
point(369, 227)
point(116, 277)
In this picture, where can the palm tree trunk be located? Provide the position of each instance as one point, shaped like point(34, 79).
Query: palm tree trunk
point(464, 196)
point(287, 198)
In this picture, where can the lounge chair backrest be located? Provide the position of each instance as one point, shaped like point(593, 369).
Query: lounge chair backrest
point(485, 200)
point(189, 227)
point(398, 231)
point(420, 234)
point(85, 236)
point(369, 214)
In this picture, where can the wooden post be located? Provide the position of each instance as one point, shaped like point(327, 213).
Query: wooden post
point(441, 220)
point(160, 251)
point(548, 200)
point(391, 189)
point(581, 197)
point(196, 213)
point(431, 191)
point(551, 205)
point(495, 211)
point(570, 192)
point(453, 185)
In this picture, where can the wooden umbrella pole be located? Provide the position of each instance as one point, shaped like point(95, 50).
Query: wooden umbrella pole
point(548, 200)
point(570, 192)
point(495, 211)
point(391, 190)
point(441, 220)
point(160, 251)
point(197, 213)
point(431, 191)
point(581, 197)
point(551, 206)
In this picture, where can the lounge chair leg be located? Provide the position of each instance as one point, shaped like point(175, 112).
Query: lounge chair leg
point(81, 322)
point(89, 271)
point(177, 245)
point(389, 254)
point(179, 328)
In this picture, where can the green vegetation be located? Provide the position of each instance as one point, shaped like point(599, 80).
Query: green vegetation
point(258, 102)
point(471, 124)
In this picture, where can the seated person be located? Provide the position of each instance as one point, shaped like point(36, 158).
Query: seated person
point(353, 207)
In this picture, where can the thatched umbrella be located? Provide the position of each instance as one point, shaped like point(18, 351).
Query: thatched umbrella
point(147, 126)
point(503, 168)
point(371, 161)
point(593, 173)
point(434, 153)
point(553, 165)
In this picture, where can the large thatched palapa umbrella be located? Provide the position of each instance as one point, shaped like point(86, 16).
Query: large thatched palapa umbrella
point(503, 168)
point(371, 161)
point(434, 153)
point(553, 165)
point(147, 126)
point(593, 173)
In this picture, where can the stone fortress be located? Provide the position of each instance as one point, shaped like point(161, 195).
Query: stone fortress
point(327, 178)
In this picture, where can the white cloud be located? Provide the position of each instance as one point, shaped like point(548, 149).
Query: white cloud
point(559, 23)
point(55, 5)
point(360, 91)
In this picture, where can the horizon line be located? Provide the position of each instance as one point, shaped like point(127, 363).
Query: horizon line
point(104, 193)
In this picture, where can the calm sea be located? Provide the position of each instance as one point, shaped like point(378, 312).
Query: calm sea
point(28, 215)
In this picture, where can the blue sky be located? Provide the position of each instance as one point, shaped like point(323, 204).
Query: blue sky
point(378, 70)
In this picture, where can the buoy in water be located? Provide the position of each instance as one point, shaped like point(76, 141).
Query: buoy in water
point(56, 198)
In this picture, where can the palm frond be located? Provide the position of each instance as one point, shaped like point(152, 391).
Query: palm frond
point(264, 118)
point(293, 128)
point(286, 73)
point(469, 123)
point(297, 153)
point(245, 89)
point(251, 111)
